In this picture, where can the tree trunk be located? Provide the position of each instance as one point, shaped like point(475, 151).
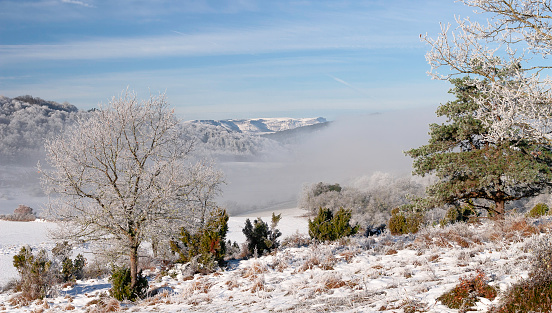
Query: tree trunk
point(499, 209)
point(133, 266)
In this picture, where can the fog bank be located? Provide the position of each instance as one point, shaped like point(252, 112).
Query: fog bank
point(351, 147)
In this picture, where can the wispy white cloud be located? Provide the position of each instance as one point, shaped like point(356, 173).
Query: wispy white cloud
point(77, 2)
point(341, 81)
point(223, 42)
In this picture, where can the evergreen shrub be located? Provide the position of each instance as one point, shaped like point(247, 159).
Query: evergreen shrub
point(121, 288)
point(540, 209)
point(70, 270)
point(207, 246)
point(37, 275)
point(260, 238)
point(327, 227)
point(402, 223)
point(457, 214)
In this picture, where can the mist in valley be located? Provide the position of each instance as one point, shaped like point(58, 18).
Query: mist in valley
point(262, 173)
point(349, 151)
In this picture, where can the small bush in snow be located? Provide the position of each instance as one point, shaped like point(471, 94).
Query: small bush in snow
point(121, 287)
point(404, 222)
point(533, 294)
point(207, 246)
point(467, 292)
point(70, 270)
point(296, 240)
point(261, 238)
point(328, 227)
point(461, 213)
point(37, 275)
point(538, 210)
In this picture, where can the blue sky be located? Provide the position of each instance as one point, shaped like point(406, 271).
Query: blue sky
point(226, 59)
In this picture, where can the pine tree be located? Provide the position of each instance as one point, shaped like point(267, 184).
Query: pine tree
point(469, 167)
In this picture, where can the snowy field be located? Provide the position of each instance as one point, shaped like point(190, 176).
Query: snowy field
point(14, 235)
point(378, 274)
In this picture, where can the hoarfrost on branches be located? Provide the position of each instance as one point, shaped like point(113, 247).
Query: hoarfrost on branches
point(506, 57)
point(122, 177)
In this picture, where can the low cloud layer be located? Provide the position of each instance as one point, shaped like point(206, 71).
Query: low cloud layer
point(351, 147)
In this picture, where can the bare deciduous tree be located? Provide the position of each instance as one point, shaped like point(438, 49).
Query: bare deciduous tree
point(121, 176)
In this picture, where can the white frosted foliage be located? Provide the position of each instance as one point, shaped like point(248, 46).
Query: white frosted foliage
point(122, 176)
point(506, 57)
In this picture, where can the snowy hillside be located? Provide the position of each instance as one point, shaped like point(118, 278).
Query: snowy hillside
point(263, 125)
point(375, 274)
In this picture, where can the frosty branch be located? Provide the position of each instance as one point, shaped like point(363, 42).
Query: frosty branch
point(122, 176)
point(505, 59)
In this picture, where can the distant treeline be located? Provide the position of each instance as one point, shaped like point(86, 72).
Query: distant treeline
point(26, 122)
point(370, 198)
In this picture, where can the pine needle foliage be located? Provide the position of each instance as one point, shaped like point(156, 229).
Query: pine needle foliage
point(35, 270)
point(207, 245)
point(121, 287)
point(540, 209)
point(260, 238)
point(469, 167)
point(329, 227)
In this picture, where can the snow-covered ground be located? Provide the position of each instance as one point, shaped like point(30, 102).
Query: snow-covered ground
point(377, 274)
point(14, 235)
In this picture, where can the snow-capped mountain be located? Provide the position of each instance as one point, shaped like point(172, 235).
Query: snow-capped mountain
point(263, 125)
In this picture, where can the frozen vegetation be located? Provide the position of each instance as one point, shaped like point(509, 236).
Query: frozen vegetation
point(360, 274)
point(181, 256)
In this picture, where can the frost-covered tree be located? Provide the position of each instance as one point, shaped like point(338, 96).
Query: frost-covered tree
point(121, 177)
point(471, 168)
point(25, 122)
point(506, 58)
point(370, 198)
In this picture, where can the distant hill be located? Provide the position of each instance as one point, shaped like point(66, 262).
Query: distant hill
point(293, 135)
point(263, 125)
point(25, 122)
point(240, 140)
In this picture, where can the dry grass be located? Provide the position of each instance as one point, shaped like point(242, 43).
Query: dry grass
point(412, 306)
point(333, 281)
point(160, 298)
point(314, 261)
point(391, 252)
point(281, 261)
point(197, 292)
point(232, 283)
point(513, 229)
point(296, 240)
point(348, 255)
point(69, 307)
point(20, 300)
point(103, 304)
point(254, 270)
point(201, 286)
point(448, 237)
point(259, 285)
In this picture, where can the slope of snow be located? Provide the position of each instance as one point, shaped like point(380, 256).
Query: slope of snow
point(380, 274)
